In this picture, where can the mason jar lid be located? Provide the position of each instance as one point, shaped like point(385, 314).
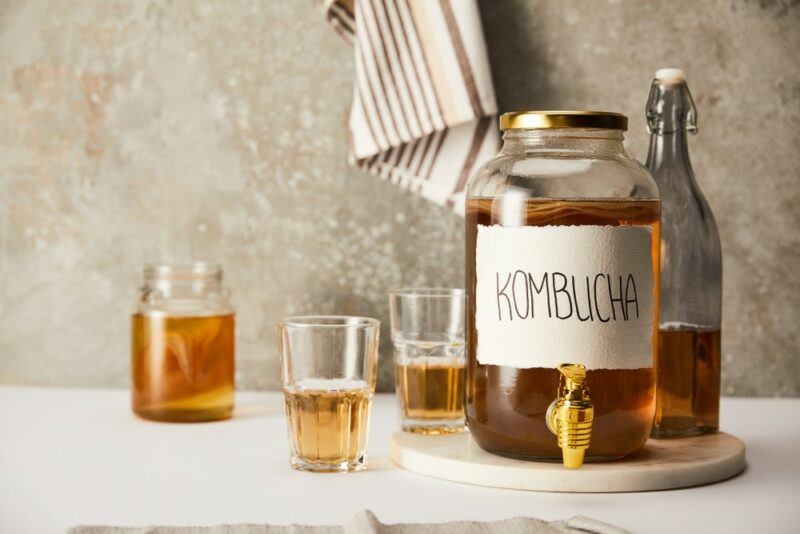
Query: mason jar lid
point(543, 120)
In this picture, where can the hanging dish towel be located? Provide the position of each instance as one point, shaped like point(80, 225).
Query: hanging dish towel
point(424, 108)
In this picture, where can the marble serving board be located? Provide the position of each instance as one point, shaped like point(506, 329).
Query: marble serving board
point(662, 464)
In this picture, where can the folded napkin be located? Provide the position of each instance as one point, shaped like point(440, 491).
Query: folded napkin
point(423, 101)
point(365, 522)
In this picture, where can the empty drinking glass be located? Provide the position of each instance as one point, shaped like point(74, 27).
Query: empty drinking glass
point(329, 369)
point(428, 337)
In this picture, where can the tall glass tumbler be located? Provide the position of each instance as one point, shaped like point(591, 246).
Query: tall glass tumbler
point(428, 337)
point(329, 368)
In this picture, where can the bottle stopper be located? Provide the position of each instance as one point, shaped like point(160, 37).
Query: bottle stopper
point(670, 76)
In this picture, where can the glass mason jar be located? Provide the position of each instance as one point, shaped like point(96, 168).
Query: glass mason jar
point(562, 259)
point(182, 344)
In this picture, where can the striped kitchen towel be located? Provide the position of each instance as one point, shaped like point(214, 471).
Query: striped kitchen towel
point(423, 113)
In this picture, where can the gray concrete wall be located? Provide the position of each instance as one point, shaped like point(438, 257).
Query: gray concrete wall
point(132, 130)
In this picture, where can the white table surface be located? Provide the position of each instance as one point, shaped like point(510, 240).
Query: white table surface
point(71, 456)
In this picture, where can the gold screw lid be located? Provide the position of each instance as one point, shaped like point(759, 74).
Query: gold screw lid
point(542, 120)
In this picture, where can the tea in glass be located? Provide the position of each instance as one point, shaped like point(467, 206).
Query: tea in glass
point(329, 369)
point(328, 420)
point(183, 367)
point(428, 337)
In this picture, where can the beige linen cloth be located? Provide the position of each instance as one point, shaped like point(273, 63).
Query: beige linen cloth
point(423, 112)
point(365, 522)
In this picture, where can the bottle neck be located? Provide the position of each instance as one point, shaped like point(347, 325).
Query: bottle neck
point(669, 149)
point(671, 115)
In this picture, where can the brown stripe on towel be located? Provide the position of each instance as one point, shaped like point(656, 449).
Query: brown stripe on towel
point(424, 153)
point(373, 73)
point(369, 164)
point(436, 154)
point(430, 156)
point(410, 60)
point(386, 170)
point(347, 7)
point(433, 56)
point(369, 82)
point(478, 137)
point(461, 55)
point(390, 63)
point(368, 117)
point(396, 163)
point(422, 57)
point(342, 21)
point(411, 154)
point(392, 20)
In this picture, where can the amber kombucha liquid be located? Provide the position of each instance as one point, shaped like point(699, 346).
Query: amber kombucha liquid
point(329, 424)
point(506, 406)
point(688, 378)
point(183, 367)
point(431, 391)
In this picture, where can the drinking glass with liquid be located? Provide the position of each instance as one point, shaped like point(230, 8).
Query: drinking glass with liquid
point(428, 337)
point(329, 370)
point(182, 344)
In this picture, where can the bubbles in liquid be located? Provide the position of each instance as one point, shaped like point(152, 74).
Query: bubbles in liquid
point(329, 384)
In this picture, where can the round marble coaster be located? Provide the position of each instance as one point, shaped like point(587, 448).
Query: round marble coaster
point(663, 464)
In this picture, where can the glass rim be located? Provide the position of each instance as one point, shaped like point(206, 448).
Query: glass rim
point(429, 292)
point(328, 321)
point(182, 269)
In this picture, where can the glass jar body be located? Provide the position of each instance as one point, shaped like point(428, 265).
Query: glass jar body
point(183, 345)
point(567, 185)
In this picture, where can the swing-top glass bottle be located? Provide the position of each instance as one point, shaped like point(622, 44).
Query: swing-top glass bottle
point(690, 312)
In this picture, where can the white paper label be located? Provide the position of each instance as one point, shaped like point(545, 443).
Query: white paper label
point(547, 295)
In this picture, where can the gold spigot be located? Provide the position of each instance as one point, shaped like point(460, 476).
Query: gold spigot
point(571, 415)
